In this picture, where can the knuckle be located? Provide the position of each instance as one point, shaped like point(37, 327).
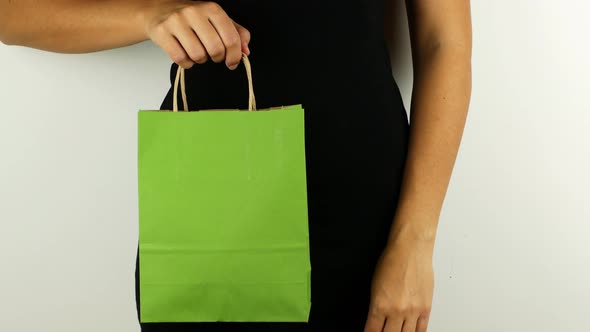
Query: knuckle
point(200, 59)
point(414, 309)
point(402, 308)
point(214, 7)
point(419, 305)
point(381, 307)
point(191, 11)
point(199, 56)
point(160, 29)
point(186, 65)
point(178, 57)
point(233, 40)
point(175, 15)
point(174, 18)
point(168, 25)
point(217, 51)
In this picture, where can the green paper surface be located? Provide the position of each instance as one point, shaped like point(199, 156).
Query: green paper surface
point(223, 225)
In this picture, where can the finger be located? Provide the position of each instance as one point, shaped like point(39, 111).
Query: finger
point(375, 322)
point(172, 47)
point(190, 42)
point(409, 324)
point(422, 324)
point(208, 36)
point(244, 37)
point(229, 36)
point(393, 324)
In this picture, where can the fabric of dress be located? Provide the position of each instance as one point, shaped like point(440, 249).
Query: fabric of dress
point(331, 57)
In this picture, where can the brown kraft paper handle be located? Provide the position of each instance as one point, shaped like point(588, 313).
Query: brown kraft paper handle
point(180, 77)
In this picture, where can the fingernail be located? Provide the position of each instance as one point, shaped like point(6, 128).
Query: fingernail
point(232, 67)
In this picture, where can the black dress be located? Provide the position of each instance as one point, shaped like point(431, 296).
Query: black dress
point(331, 57)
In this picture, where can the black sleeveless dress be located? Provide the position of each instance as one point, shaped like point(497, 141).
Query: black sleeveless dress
point(331, 57)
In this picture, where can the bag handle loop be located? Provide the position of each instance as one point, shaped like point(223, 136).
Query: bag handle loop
point(180, 78)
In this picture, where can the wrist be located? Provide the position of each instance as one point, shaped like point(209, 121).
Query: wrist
point(413, 229)
point(143, 18)
point(409, 240)
point(415, 220)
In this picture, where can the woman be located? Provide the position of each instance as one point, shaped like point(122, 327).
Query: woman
point(375, 184)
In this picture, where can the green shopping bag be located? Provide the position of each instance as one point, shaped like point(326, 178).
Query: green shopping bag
point(223, 232)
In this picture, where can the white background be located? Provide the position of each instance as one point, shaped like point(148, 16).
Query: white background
point(513, 249)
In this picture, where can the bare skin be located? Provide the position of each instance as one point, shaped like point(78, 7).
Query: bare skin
point(188, 31)
point(403, 282)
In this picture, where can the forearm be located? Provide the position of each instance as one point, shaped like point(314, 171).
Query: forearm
point(71, 26)
point(440, 100)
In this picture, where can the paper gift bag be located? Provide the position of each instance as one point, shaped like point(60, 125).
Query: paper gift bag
point(223, 227)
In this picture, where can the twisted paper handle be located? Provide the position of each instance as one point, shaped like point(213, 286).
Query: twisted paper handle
point(180, 78)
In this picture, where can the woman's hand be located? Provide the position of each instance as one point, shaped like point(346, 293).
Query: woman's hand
point(402, 288)
point(192, 31)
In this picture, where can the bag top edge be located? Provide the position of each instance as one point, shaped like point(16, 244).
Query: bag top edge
point(228, 109)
